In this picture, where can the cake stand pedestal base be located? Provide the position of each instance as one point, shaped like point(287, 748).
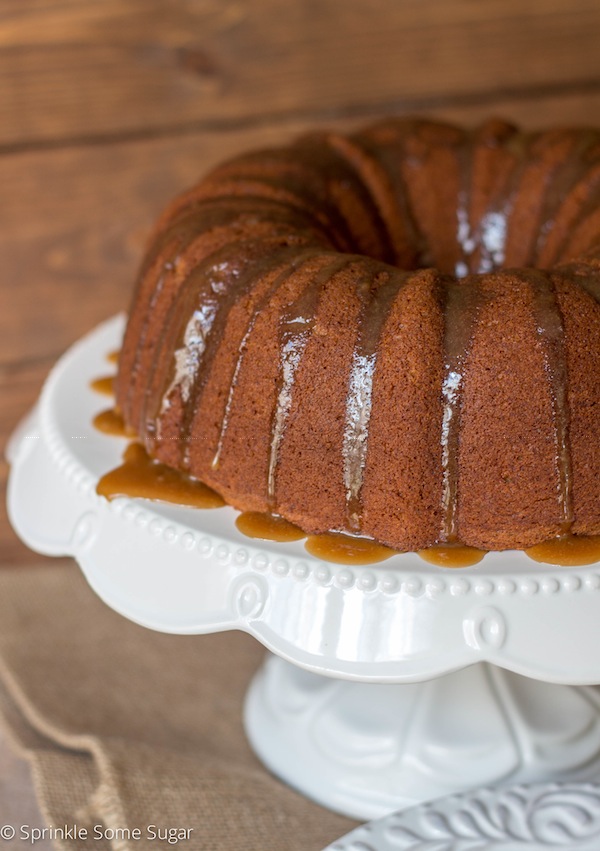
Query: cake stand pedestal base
point(368, 749)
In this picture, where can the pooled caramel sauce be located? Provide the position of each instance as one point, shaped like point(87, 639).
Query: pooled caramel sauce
point(140, 476)
point(345, 549)
point(270, 527)
point(104, 385)
point(113, 357)
point(111, 422)
point(567, 551)
point(452, 555)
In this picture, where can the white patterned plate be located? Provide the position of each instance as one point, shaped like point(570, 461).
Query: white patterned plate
point(519, 818)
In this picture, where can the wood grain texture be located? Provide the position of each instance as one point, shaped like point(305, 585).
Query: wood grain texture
point(107, 109)
point(74, 70)
point(74, 221)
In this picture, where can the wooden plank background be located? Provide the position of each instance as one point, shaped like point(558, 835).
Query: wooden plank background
point(109, 107)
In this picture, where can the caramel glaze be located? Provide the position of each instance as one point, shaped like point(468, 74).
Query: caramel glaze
point(260, 304)
point(567, 550)
point(461, 302)
point(104, 385)
point(452, 555)
point(551, 334)
point(378, 296)
point(193, 275)
point(216, 286)
point(295, 327)
point(346, 549)
point(269, 527)
point(113, 357)
point(140, 476)
point(112, 422)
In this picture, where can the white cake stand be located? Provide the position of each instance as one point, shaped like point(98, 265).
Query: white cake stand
point(388, 684)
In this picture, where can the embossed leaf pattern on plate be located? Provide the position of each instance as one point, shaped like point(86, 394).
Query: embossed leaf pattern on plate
point(541, 817)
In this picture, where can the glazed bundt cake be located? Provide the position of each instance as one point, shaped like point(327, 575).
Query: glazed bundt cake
point(393, 334)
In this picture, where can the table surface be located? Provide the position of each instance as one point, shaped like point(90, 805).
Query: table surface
point(108, 109)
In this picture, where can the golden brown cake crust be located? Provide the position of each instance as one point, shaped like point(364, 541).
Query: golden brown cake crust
point(393, 333)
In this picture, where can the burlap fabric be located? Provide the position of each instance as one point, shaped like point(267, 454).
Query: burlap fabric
point(130, 729)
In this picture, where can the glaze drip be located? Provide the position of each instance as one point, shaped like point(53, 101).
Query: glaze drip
point(347, 549)
point(492, 146)
point(465, 236)
point(223, 346)
point(207, 297)
point(358, 414)
point(104, 385)
point(493, 241)
point(189, 355)
point(140, 476)
point(111, 422)
point(280, 281)
point(460, 309)
point(177, 289)
point(163, 378)
point(268, 527)
point(452, 555)
point(199, 301)
point(295, 328)
point(295, 335)
point(567, 550)
point(135, 377)
point(378, 302)
point(551, 335)
point(493, 231)
point(198, 232)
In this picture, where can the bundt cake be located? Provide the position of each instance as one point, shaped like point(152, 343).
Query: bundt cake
point(393, 334)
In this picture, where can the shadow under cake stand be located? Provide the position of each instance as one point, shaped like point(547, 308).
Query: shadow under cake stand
point(386, 685)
